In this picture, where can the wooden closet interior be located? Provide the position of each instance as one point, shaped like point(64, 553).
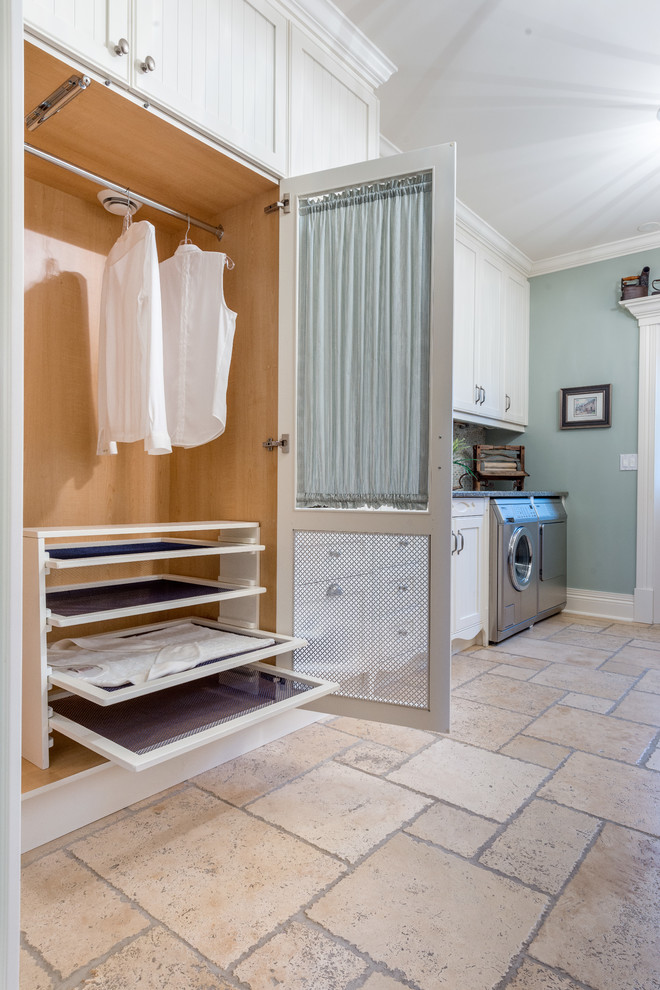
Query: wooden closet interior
point(68, 235)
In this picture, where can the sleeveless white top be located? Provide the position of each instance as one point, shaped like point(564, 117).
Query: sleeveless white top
point(131, 394)
point(198, 335)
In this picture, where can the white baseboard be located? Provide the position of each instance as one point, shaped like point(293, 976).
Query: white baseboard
point(600, 604)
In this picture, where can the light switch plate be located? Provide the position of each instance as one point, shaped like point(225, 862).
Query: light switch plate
point(627, 462)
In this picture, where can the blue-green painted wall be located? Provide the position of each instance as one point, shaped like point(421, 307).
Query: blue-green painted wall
point(579, 335)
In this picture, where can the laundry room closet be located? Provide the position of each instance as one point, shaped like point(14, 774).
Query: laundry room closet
point(68, 236)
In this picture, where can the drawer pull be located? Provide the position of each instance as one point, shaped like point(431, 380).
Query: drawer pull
point(402, 632)
point(334, 553)
point(334, 591)
point(402, 587)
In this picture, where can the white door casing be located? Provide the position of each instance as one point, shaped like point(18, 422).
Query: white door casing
point(434, 523)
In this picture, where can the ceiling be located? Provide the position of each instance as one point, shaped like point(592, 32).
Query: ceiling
point(552, 104)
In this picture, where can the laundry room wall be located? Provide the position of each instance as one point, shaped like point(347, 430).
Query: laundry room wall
point(580, 335)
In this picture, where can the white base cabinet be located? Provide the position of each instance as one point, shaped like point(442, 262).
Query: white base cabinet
point(145, 722)
point(469, 570)
point(491, 337)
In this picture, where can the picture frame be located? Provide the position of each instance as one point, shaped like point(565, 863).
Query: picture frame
point(585, 407)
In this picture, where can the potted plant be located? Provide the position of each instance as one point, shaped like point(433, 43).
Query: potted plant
point(462, 456)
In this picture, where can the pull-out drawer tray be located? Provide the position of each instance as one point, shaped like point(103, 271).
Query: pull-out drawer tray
point(144, 731)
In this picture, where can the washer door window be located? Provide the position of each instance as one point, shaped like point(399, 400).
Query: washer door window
point(520, 558)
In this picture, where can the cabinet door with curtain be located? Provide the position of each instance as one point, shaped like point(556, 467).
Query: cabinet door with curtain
point(365, 399)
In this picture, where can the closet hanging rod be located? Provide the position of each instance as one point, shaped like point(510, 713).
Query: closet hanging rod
point(106, 184)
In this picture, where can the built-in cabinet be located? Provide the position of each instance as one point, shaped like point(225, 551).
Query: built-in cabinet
point(178, 695)
point(469, 569)
point(491, 337)
point(244, 74)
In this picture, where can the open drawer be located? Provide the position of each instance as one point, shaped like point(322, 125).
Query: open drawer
point(72, 605)
point(234, 655)
point(73, 555)
point(144, 731)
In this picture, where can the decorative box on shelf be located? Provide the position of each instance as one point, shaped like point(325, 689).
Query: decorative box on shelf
point(499, 463)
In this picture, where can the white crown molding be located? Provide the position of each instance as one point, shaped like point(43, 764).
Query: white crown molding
point(602, 252)
point(330, 25)
point(474, 225)
point(387, 147)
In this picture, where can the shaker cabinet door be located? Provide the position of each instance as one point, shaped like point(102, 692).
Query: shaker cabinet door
point(96, 31)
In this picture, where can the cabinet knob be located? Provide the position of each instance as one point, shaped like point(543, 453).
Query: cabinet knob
point(148, 65)
point(122, 48)
point(334, 591)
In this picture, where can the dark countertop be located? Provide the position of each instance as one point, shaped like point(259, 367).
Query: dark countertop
point(492, 493)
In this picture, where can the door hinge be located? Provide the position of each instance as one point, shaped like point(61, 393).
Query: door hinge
point(271, 444)
point(283, 204)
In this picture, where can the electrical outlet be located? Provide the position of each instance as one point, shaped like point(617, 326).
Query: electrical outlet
point(627, 462)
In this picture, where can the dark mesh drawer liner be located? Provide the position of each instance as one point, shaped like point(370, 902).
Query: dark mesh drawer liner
point(79, 601)
point(116, 549)
point(142, 725)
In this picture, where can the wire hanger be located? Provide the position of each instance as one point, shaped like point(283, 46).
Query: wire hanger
point(229, 263)
point(128, 216)
point(186, 239)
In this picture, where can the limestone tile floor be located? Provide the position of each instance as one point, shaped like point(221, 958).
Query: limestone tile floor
point(521, 851)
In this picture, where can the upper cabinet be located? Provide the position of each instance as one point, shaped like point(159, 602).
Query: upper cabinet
point(220, 67)
point(491, 336)
point(279, 84)
point(334, 116)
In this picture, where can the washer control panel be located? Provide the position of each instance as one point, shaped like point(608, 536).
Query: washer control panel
point(514, 510)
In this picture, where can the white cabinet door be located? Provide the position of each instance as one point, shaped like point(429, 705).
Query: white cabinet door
point(466, 396)
point(488, 339)
point(468, 573)
point(333, 118)
point(516, 349)
point(219, 66)
point(90, 30)
point(370, 585)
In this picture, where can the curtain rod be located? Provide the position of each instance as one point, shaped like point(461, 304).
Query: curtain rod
point(106, 184)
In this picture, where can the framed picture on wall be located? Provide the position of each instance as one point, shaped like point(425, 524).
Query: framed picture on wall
point(585, 407)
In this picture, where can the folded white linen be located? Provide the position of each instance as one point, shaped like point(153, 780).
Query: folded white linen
point(109, 661)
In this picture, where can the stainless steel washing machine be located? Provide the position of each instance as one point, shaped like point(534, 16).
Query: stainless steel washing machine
point(527, 563)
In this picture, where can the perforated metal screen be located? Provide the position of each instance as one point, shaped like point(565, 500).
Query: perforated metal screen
point(362, 602)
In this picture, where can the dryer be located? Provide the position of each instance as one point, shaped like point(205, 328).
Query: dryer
point(527, 563)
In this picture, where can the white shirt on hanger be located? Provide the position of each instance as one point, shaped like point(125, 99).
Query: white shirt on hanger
point(131, 402)
point(198, 335)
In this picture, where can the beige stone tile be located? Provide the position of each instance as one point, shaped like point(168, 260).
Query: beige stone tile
point(154, 961)
point(253, 774)
point(484, 725)
point(653, 762)
point(638, 706)
point(396, 736)
point(596, 682)
point(340, 809)
point(537, 751)
point(542, 845)
point(505, 692)
point(603, 930)
point(641, 642)
point(381, 981)
point(602, 735)
point(624, 794)
point(532, 976)
point(637, 654)
point(637, 630)
point(486, 783)
point(592, 639)
point(546, 628)
point(372, 757)
point(406, 906)
point(508, 670)
point(630, 668)
point(464, 669)
point(32, 976)
point(551, 652)
point(56, 888)
point(501, 656)
point(587, 702)
point(301, 958)
point(216, 876)
point(650, 682)
point(453, 828)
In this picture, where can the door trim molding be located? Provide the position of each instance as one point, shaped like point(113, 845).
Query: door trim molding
point(646, 311)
